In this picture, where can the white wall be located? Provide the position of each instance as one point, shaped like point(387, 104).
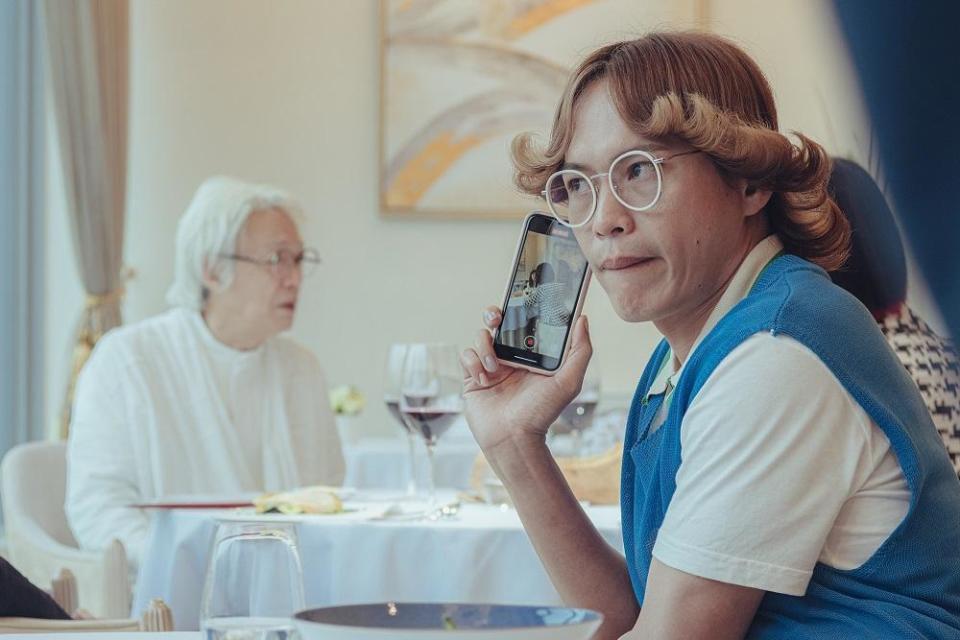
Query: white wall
point(286, 93)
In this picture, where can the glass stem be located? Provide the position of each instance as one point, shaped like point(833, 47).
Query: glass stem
point(431, 482)
point(412, 479)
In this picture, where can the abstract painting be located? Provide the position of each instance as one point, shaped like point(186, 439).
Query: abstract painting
point(461, 78)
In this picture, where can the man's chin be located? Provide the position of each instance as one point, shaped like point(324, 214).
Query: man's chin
point(633, 311)
point(284, 321)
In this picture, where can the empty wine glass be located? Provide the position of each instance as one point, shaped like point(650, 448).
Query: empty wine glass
point(578, 415)
point(392, 385)
point(431, 397)
point(254, 583)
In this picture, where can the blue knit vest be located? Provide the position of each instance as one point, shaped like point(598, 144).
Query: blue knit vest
point(909, 588)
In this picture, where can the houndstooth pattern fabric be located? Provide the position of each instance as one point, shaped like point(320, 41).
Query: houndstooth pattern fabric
point(934, 365)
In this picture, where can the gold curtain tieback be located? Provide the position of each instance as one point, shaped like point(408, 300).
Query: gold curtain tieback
point(95, 300)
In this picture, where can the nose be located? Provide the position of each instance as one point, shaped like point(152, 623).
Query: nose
point(292, 276)
point(611, 217)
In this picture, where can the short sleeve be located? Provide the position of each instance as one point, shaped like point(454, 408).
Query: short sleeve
point(772, 446)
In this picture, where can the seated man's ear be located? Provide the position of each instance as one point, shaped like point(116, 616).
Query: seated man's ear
point(211, 276)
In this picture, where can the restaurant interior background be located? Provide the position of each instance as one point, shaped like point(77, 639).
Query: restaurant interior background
point(287, 93)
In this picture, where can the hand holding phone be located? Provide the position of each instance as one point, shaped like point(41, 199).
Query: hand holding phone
point(503, 403)
point(504, 399)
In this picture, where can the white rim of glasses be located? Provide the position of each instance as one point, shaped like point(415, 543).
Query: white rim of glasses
point(609, 174)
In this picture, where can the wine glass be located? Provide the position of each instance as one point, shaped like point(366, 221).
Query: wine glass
point(254, 582)
point(578, 415)
point(392, 384)
point(431, 397)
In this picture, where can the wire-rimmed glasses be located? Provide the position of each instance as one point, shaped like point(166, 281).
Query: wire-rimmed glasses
point(635, 180)
point(282, 261)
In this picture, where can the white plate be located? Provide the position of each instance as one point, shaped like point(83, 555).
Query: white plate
point(351, 513)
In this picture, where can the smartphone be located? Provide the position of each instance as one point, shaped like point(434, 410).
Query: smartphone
point(545, 292)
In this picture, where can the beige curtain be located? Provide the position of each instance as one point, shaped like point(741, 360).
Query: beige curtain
point(88, 50)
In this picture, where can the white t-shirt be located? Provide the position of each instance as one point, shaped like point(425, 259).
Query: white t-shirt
point(781, 467)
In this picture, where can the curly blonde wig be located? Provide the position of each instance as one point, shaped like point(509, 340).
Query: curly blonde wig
point(703, 90)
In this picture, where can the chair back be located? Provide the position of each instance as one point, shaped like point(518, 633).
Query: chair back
point(876, 272)
point(41, 545)
point(33, 488)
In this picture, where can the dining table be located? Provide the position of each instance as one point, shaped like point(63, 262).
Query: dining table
point(476, 552)
point(383, 462)
point(122, 635)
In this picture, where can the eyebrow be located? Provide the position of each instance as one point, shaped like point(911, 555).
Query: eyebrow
point(652, 148)
point(282, 245)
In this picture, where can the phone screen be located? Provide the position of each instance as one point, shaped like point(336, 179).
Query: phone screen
point(548, 276)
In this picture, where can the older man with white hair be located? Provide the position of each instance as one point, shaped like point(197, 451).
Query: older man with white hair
point(205, 398)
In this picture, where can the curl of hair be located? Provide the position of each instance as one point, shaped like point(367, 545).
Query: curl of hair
point(704, 91)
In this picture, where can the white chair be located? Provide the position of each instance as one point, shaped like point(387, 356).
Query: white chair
point(41, 544)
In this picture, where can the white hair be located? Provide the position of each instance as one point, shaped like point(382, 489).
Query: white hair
point(209, 228)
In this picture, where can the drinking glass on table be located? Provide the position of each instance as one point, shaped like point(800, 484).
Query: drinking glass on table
point(431, 397)
point(392, 385)
point(578, 415)
point(254, 583)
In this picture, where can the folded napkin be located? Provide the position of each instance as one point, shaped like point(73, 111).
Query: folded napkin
point(313, 500)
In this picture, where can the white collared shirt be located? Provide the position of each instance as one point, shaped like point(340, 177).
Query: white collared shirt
point(740, 285)
point(781, 467)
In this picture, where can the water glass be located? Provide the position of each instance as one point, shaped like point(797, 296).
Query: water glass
point(254, 583)
point(431, 397)
point(392, 385)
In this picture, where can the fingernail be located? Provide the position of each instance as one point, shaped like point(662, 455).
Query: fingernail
point(490, 364)
point(488, 316)
point(483, 380)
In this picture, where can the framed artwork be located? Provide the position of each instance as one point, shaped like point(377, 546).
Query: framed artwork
point(459, 79)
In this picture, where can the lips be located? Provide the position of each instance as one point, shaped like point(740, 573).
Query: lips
point(622, 262)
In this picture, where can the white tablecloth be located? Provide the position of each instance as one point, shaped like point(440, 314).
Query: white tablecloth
point(384, 463)
point(483, 555)
point(132, 635)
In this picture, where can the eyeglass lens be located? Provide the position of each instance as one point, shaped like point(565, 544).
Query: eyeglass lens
point(572, 196)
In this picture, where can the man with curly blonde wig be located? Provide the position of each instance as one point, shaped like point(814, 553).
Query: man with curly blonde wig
point(781, 475)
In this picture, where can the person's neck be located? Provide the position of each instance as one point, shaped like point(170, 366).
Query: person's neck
point(682, 328)
point(226, 330)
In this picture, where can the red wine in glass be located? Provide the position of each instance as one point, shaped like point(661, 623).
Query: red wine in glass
point(430, 422)
point(393, 408)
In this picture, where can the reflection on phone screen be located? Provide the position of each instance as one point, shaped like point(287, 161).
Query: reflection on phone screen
point(543, 293)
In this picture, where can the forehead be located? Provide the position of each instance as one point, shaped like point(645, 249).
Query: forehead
point(270, 228)
point(600, 134)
